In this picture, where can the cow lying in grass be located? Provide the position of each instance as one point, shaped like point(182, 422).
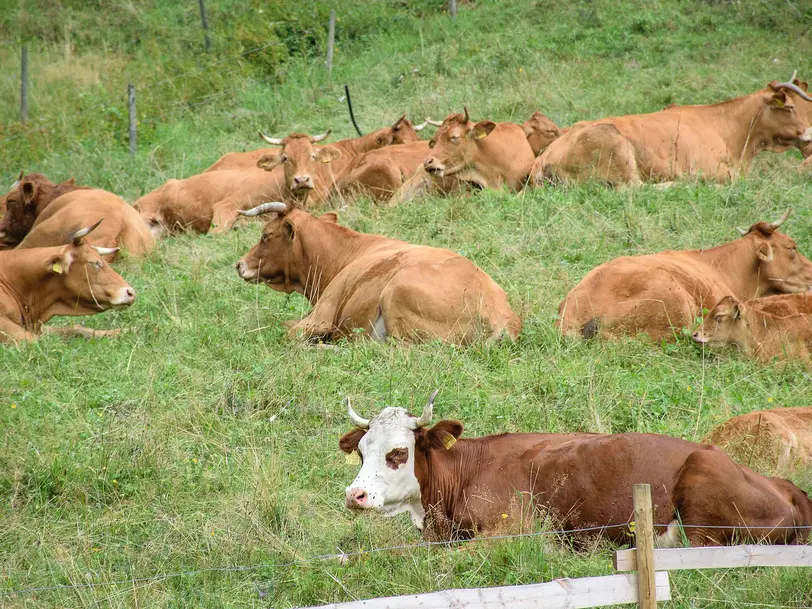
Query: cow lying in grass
point(43, 214)
point(757, 333)
point(453, 487)
point(715, 141)
point(778, 439)
point(386, 288)
point(660, 293)
point(39, 283)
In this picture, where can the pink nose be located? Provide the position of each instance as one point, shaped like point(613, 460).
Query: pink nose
point(428, 162)
point(301, 179)
point(357, 497)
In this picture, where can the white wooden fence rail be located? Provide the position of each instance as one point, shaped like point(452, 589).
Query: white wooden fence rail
point(723, 557)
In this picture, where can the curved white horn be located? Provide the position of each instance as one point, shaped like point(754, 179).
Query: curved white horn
point(793, 87)
point(425, 418)
point(276, 141)
point(421, 126)
point(782, 219)
point(106, 251)
point(84, 232)
point(742, 231)
point(435, 123)
point(320, 138)
point(265, 208)
point(357, 420)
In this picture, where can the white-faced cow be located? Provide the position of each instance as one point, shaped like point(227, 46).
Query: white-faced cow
point(660, 293)
point(39, 283)
point(715, 141)
point(385, 287)
point(456, 487)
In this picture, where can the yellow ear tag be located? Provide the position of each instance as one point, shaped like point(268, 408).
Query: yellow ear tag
point(352, 459)
point(57, 267)
point(449, 441)
point(779, 103)
point(479, 135)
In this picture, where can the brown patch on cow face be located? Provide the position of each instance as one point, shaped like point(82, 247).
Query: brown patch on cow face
point(397, 457)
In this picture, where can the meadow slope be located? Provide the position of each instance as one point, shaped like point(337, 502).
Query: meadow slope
point(204, 438)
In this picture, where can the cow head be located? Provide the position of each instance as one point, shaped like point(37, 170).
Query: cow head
point(299, 158)
point(723, 325)
point(454, 144)
point(540, 132)
point(781, 268)
point(87, 284)
point(394, 448)
point(400, 132)
point(25, 201)
point(784, 121)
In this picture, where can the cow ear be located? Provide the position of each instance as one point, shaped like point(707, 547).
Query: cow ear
point(780, 99)
point(58, 264)
point(71, 181)
point(330, 216)
point(328, 154)
point(765, 252)
point(482, 129)
point(444, 434)
point(290, 230)
point(349, 441)
point(269, 161)
point(29, 190)
point(735, 311)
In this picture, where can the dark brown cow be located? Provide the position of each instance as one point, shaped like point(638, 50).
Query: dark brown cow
point(660, 293)
point(777, 440)
point(383, 286)
point(758, 334)
point(454, 487)
point(715, 141)
point(40, 283)
point(400, 132)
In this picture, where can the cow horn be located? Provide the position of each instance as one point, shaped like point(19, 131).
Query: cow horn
point(793, 87)
point(319, 138)
point(84, 232)
point(425, 418)
point(396, 124)
point(781, 220)
point(466, 119)
point(421, 126)
point(276, 141)
point(742, 231)
point(265, 208)
point(357, 419)
point(19, 179)
point(435, 123)
point(106, 251)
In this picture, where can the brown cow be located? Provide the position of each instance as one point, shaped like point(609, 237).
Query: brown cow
point(660, 293)
point(487, 154)
point(541, 132)
point(715, 141)
point(758, 334)
point(43, 214)
point(400, 132)
point(454, 487)
point(207, 199)
point(777, 439)
point(382, 286)
point(37, 284)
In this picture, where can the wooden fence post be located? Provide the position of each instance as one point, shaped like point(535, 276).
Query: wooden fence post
point(24, 85)
point(452, 8)
point(331, 38)
point(205, 23)
point(644, 544)
point(131, 115)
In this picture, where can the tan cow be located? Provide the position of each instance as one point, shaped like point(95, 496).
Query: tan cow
point(207, 201)
point(39, 283)
point(541, 132)
point(776, 440)
point(43, 214)
point(758, 334)
point(400, 132)
point(660, 293)
point(715, 141)
point(382, 286)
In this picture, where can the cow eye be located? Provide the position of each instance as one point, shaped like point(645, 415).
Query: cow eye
point(397, 457)
point(455, 139)
point(96, 264)
point(718, 319)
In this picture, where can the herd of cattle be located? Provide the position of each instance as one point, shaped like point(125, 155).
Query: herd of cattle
point(57, 253)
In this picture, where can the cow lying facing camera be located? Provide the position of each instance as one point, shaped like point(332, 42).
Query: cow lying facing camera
point(383, 286)
point(39, 283)
point(456, 488)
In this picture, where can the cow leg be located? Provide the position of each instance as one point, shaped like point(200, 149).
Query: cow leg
point(13, 333)
point(82, 332)
point(224, 217)
point(418, 185)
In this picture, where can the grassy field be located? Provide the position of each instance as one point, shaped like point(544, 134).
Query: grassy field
point(204, 438)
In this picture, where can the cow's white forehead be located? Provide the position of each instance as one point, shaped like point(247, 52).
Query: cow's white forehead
point(391, 426)
point(395, 417)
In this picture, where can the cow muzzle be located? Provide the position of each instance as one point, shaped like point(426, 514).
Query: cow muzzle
point(302, 183)
point(357, 499)
point(700, 338)
point(245, 272)
point(806, 135)
point(433, 167)
point(123, 298)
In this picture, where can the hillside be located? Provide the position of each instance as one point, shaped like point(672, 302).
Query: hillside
point(204, 439)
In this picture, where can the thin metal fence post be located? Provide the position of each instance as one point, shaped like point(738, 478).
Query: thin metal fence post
point(644, 546)
point(452, 8)
point(131, 115)
point(24, 85)
point(331, 38)
point(205, 21)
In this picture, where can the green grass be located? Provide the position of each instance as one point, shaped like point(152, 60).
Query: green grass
point(204, 438)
